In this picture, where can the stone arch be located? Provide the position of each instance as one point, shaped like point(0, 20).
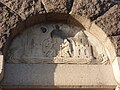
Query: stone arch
point(76, 20)
point(13, 19)
point(89, 27)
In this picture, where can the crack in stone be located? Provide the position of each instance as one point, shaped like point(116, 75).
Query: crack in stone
point(22, 17)
point(69, 5)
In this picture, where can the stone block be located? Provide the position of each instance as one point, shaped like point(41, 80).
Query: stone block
point(91, 8)
point(58, 6)
point(58, 75)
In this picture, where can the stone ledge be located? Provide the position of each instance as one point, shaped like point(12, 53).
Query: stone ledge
point(54, 88)
point(58, 75)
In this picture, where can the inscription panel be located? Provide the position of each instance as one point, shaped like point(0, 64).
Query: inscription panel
point(55, 43)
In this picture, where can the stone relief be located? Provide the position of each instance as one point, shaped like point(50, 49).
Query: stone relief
point(54, 43)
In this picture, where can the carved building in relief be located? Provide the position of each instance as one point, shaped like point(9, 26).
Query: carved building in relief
point(55, 43)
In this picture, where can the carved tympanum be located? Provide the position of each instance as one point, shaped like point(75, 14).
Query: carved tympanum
point(55, 43)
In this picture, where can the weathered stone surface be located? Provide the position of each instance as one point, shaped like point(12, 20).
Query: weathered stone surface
point(7, 18)
point(13, 11)
point(58, 6)
point(110, 21)
point(116, 42)
point(25, 8)
point(110, 24)
point(105, 14)
point(91, 8)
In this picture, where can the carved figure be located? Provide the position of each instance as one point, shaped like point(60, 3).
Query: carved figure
point(66, 49)
point(57, 33)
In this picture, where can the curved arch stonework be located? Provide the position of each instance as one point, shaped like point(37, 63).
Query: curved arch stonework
point(100, 26)
point(90, 29)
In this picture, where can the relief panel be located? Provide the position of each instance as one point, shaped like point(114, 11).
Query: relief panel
point(55, 43)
